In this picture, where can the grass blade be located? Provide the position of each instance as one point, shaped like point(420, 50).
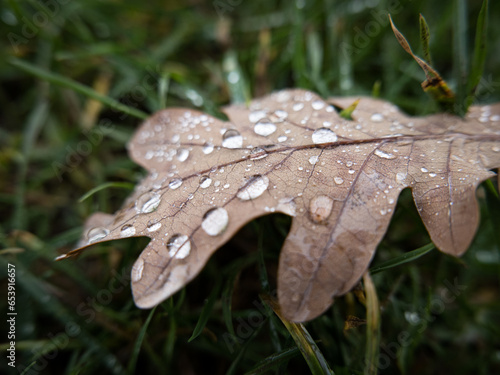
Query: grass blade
point(313, 356)
point(479, 57)
point(460, 53)
point(372, 326)
point(424, 39)
point(402, 259)
point(123, 185)
point(274, 361)
point(138, 343)
point(207, 311)
point(62, 81)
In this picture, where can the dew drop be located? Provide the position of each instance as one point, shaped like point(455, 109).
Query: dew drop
point(432, 174)
point(383, 212)
point(175, 183)
point(127, 230)
point(338, 180)
point(320, 208)
point(281, 114)
point(182, 154)
point(255, 116)
point(153, 225)
point(323, 135)
point(215, 221)
point(232, 139)
point(282, 138)
point(313, 159)
point(258, 153)
point(264, 127)
point(96, 234)
point(137, 270)
point(147, 202)
point(383, 154)
point(207, 148)
point(400, 177)
point(288, 206)
point(318, 104)
point(298, 106)
point(205, 182)
point(377, 117)
point(254, 188)
point(351, 171)
point(179, 246)
point(425, 170)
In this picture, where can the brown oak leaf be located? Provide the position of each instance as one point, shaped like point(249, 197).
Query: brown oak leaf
point(291, 152)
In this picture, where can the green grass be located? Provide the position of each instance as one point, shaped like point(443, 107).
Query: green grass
point(74, 91)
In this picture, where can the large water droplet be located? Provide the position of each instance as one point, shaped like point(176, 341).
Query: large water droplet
point(127, 230)
point(182, 154)
point(147, 202)
point(175, 183)
point(179, 246)
point(264, 127)
point(207, 148)
point(320, 208)
point(383, 154)
point(254, 188)
point(96, 234)
point(323, 135)
point(137, 270)
point(232, 139)
point(205, 182)
point(215, 221)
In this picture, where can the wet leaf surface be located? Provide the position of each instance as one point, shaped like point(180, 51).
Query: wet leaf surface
point(291, 152)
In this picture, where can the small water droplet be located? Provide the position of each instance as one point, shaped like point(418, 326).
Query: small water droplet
point(320, 208)
point(147, 202)
point(425, 170)
point(400, 177)
point(281, 114)
point(175, 183)
point(383, 154)
point(127, 230)
point(377, 117)
point(153, 225)
point(205, 182)
point(137, 270)
point(254, 187)
point(232, 139)
point(264, 127)
point(179, 246)
point(207, 148)
point(432, 174)
point(215, 221)
point(96, 234)
point(318, 104)
point(182, 154)
point(338, 180)
point(323, 135)
point(298, 106)
point(383, 211)
point(258, 153)
point(351, 171)
point(255, 116)
point(313, 159)
point(282, 138)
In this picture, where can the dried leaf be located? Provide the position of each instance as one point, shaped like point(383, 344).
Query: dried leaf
point(291, 152)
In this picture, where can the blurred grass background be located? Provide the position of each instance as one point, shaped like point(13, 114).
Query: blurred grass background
point(57, 143)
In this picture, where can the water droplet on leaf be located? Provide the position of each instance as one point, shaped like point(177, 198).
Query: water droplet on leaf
point(179, 246)
point(320, 208)
point(232, 139)
point(254, 188)
point(264, 127)
point(215, 221)
point(323, 135)
point(96, 234)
